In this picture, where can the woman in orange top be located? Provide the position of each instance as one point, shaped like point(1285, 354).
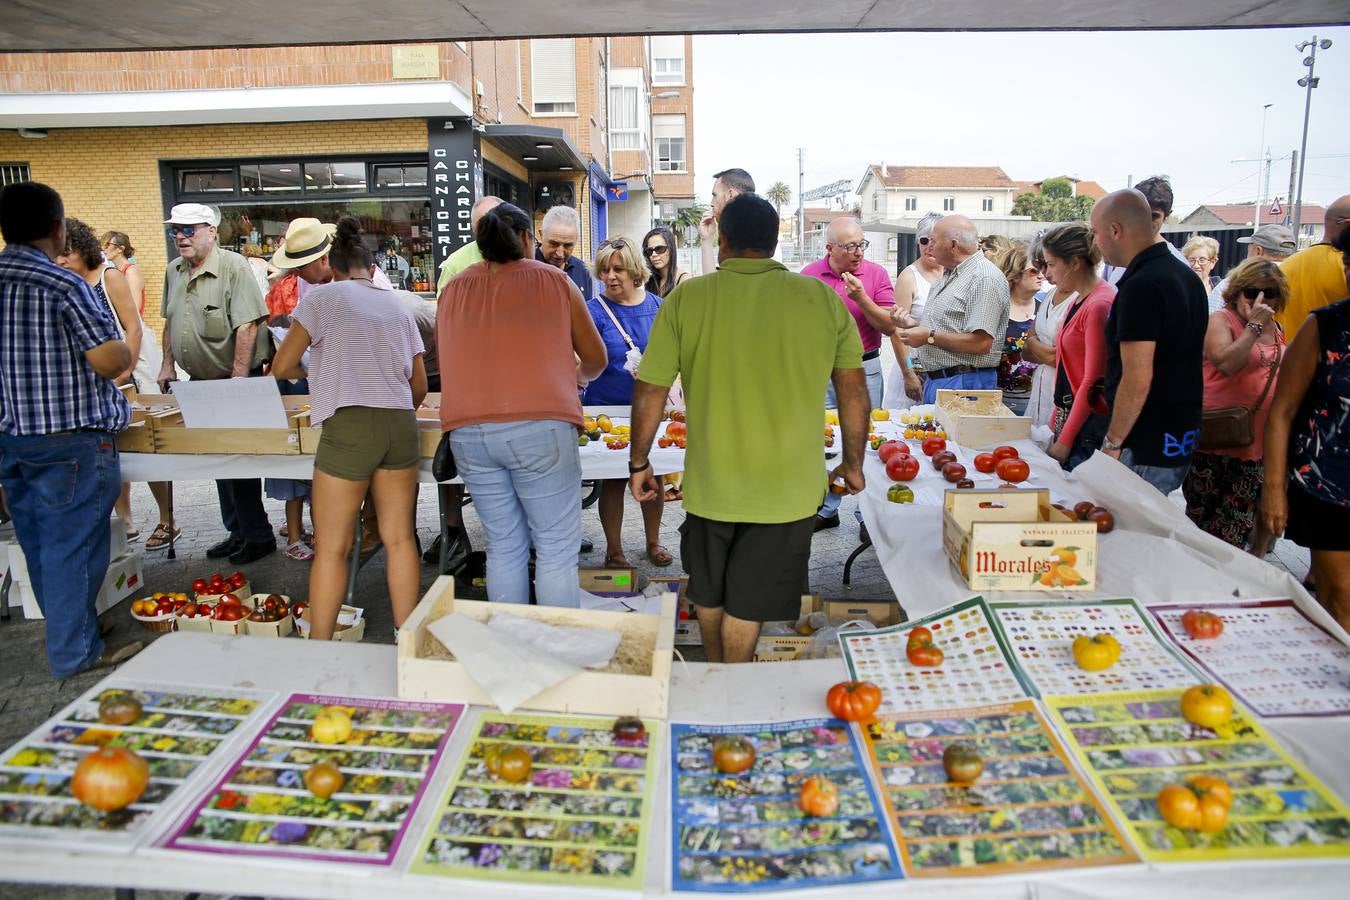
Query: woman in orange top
point(515, 340)
point(1243, 347)
point(117, 248)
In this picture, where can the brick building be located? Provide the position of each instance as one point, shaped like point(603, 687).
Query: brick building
point(404, 136)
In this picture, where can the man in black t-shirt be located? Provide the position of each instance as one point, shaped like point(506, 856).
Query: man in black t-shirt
point(1155, 339)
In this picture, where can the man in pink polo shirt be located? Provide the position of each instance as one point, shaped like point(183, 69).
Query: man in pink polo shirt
point(866, 290)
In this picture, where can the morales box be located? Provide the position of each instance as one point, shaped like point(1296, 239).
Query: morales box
point(1014, 540)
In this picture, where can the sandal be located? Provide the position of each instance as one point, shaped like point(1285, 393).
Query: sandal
point(133, 535)
point(673, 494)
point(659, 555)
point(617, 562)
point(162, 537)
point(300, 552)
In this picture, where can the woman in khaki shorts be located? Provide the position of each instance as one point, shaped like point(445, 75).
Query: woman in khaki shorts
point(366, 379)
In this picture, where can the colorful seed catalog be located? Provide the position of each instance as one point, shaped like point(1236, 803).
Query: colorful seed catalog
point(177, 733)
point(1027, 810)
point(977, 669)
point(263, 806)
point(1041, 636)
point(580, 815)
point(1132, 745)
point(747, 832)
point(1270, 655)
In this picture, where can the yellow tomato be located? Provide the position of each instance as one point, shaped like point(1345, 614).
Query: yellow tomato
point(831, 417)
point(1207, 705)
point(1096, 653)
point(332, 725)
point(881, 415)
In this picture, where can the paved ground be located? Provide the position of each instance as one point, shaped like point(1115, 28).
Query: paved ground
point(32, 696)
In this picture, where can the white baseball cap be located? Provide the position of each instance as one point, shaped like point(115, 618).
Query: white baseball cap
point(192, 214)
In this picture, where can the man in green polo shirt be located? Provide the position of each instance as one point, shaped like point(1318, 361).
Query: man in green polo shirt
point(469, 254)
point(212, 310)
point(755, 346)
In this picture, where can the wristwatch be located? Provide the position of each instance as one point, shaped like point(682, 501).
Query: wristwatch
point(642, 468)
point(931, 338)
point(1256, 328)
point(1108, 445)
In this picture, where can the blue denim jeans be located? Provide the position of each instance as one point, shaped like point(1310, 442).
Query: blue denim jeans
point(525, 478)
point(1165, 478)
point(983, 380)
point(61, 491)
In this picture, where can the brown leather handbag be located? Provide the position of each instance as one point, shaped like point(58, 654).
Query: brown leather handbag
point(1234, 427)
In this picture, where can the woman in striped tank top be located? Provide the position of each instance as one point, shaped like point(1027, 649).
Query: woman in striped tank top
point(366, 380)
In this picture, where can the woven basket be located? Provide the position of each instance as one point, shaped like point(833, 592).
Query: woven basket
point(160, 624)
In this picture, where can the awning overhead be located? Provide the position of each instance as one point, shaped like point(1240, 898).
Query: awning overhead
point(536, 148)
point(174, 24)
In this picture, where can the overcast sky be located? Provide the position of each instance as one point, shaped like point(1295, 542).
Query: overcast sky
point(1101, 106)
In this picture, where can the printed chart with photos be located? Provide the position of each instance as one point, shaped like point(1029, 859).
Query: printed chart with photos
point(1273, 657)
point(747, 832)
point(1028, 810)
point(1134, 744)
point(178, 732)
point(977, 669)
point(580, 817)
point(1041, 636)
point(262, 806)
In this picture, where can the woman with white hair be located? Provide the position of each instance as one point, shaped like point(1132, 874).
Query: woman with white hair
point(1202, 255)
point(904, 386)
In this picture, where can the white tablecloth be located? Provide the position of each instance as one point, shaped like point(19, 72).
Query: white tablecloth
point(699, 692)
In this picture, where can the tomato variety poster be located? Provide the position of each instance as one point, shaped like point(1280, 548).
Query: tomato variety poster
point(1028, 810)
point(262, 807)
point(746, 832)
point(1041, 636)
point(977, 668)
point(1271, 655)
point(177, 733)
point(1134, 744)
point(580, 818)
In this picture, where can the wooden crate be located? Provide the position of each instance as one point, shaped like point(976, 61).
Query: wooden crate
point(1014, 540)
point(138, 437)
point(172, 437)
point(421, 676)
point(978, 419)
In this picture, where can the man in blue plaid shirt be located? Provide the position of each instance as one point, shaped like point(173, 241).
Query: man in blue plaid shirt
point(59, 412)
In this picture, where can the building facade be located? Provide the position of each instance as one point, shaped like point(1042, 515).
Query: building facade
point(405, 137)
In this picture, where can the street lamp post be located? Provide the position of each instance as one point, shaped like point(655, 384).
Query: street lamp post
point(1260, 152)
point(1308, 81)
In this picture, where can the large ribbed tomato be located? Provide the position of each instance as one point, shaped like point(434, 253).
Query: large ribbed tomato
point(853, 701)
point(818, 796)
point(110, 778)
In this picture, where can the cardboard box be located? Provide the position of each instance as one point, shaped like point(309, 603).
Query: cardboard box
point(123, 578)
point(1016, 541)
point(879, 612)
point(780, 648)
point(608, 582)
point(425, 674)
point(342, 632)
point(978, 419)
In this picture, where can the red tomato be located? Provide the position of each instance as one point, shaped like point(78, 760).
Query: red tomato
point(933, 445)
point(199, 585)
point(890, 449)
point(1012, 469)
point(953, 472)
point(1202, 624)
point(853, 701)
point(1082, 508)
point(1005, 452)
point(985, 462)
point(942, 457)
point(901, 467)
point(677, 430)
point(1102, 516)
point(238, 580)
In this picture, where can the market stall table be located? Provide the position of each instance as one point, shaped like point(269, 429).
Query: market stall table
point(699, 693)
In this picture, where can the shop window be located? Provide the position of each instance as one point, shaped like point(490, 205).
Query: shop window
point(668, 131)
point(270, 178)
point(206, 181)
point(13, 173)
point(553, 76)
point(335, 176)
point(394, 176)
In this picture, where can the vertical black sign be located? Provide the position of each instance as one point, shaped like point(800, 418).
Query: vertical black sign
point(456, 172)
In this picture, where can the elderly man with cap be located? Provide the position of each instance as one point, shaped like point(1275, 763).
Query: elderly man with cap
point(212, 309)
point(1273, 241)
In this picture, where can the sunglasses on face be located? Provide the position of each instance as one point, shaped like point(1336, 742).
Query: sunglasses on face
point(923, 241)
point(655, 249)
point(184, 230)
point(1251, 293)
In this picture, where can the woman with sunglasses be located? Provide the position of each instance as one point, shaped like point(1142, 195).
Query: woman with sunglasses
point(623, 314)
point(904, 385)
point(1243, 349)
point(658, 249)
point(1024, 282)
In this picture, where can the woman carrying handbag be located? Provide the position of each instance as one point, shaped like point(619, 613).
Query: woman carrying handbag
point(1243, 349)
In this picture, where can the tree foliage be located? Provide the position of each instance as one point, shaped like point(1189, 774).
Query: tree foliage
point(1054, 203)
point(686, 224)
point(779, 194)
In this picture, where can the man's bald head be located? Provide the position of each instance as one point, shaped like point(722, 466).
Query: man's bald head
point(1122, 225)
point(482, 206)
point(954, 239)
point(1337, 218)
